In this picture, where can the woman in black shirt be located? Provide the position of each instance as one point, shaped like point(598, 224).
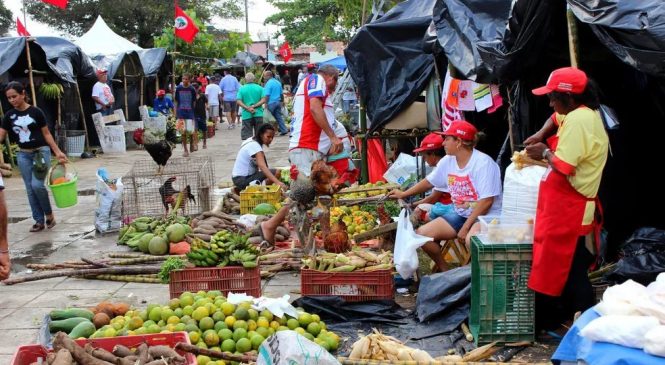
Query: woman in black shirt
point(26, 125)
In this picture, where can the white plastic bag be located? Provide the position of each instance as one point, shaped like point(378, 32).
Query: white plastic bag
point(520, 191)
point(288, 347)
point(108, 216)
point(407, 243)
point(621, 330)
point(654, 341)
point(401, 169)
point(247, 220)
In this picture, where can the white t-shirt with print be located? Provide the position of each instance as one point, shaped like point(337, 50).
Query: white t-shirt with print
point(103, 92)
point(245, 164)
point(479, 179)
point(431, 177)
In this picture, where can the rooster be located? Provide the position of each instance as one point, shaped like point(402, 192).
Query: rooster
point(170, 196)
point(158, 148)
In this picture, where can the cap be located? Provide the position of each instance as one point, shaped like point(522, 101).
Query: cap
point(461, 129)
point(431, 142)
point(161, 93)
point(101, 71)
point(565, 80)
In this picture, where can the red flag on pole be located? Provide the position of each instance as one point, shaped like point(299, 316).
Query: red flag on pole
point(184, 26)
point(58, 3)
point(285, 51)
point(20, 29)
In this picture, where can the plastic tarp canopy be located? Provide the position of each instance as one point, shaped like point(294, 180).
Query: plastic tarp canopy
point(14, 61)
point(339, 62)
point(633, 30)
point(69, 60)
point(387, 61)
point(101, 40)
point(153, 61)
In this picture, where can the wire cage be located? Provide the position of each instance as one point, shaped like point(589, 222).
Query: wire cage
point(142, 195)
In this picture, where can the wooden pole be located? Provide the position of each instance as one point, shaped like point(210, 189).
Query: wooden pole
point(572, 37)
point(156, 84)
point(85, 125)
point(124, 81)
point(142, 81)
point(32, 81)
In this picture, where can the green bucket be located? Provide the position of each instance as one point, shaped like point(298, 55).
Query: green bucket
point(65, 194)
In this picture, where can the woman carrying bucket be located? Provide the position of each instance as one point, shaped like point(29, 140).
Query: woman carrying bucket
point(26, 126)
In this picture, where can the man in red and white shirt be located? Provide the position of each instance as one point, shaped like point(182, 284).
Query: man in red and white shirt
point(313, 132)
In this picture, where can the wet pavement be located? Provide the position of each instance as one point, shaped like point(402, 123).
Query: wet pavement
point(23, 306)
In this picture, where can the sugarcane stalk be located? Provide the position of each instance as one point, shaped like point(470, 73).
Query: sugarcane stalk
point(126, 278)
point(602, 271)
point(216, 354)
point(43, 267)
point(84, 272)
point(133, 255)
point(138, 260)
point(94, 263)
point(267, 274)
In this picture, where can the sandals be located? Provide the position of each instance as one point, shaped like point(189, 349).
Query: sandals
point(37, 227)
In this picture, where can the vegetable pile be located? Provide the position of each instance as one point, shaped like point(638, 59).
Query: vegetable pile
point(225, 248)
point(358, 260)
point(153, 235)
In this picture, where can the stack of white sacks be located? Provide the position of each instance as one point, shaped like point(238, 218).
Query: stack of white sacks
point(520, 192)
point(632, 315)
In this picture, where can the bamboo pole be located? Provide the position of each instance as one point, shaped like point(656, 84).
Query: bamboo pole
point(156, 84)
point(85, 125)
point(572, 37)
point(124, 81)
point(32, 81)
point(142, 82)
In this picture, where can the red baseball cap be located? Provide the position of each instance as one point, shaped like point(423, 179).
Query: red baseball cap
point(161, 93)
point(461, 129)
point(431, 142)
point(565, 80)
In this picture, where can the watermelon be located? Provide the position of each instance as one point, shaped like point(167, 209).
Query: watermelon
point(264, 209)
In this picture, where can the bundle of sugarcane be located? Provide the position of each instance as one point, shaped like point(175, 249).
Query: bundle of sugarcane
point(356, 260)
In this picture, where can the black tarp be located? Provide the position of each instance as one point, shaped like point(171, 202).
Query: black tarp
point(14, 61)
point(387, 61)
point(68, 59)
point(154, 61)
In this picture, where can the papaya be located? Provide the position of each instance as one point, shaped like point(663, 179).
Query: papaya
point(58, 314)
point(65, 325)
point(84, 329)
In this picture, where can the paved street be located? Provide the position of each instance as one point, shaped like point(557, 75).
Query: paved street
point(23, 306)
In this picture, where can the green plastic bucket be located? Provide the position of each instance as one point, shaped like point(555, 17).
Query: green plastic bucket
point(65, 194)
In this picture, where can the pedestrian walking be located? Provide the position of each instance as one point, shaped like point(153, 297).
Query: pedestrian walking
point(273, 93)
point(185, 95)
point(250, 99)
point(230, 87)
point(213, 93)
point(201, 106)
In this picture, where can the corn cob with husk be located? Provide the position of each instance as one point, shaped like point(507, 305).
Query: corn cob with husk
point(377, 346)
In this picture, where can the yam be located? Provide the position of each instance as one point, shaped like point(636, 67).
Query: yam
point(256, 240)
point(50, 357)
point(261, 218)
point(143, 354)
point(194, 223)
point(234, 197)
point(129, 360)
point(63, 357)
point(279, 238)
point(205, 237)
point(206, 231)
point(62, 341)
point(165, 351)
point(121, 351)
point(104, 355)
point(283, 231)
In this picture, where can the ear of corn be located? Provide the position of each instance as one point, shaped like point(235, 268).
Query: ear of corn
point(377, 346)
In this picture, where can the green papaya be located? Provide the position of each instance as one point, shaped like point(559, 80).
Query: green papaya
point(65, 325)
point(58, 314)
point(83, 329)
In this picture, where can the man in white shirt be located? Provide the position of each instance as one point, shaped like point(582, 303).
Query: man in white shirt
point(102, 94)
point(213, 93)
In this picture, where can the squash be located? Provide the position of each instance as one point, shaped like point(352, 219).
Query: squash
point(84, 329)
point(65, 325)
point(58, 314)
point(179, 248)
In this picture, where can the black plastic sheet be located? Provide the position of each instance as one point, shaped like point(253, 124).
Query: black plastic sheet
point(154, 61)
point(69, 60)
point(442, 292)
point(643, 257)
point(387, 61)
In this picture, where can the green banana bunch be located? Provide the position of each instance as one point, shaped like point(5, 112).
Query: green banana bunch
point(51, 91)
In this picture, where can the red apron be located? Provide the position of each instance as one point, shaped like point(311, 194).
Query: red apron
point(558, 226)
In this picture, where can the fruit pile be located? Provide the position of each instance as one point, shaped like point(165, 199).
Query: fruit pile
point(153, 235)
point(364, 191)
point(356, 260)
point(212, 322)
point(225, 248)
point(356, 220)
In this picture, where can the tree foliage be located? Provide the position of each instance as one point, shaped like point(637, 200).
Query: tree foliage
point(139, 21)
point(209, 44)
point(313, 22)
point(6, 18)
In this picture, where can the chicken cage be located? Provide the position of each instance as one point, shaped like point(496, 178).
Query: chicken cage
point(148, 193)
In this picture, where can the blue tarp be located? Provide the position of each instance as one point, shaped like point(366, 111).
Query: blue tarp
point(339, 62)
point(574, 347)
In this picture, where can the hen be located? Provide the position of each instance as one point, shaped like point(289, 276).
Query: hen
point(158, 148)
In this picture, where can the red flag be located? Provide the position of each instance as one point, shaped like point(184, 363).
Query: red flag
point(285, 51)
point(184, 26)
point(20, 29)
point(58, 3)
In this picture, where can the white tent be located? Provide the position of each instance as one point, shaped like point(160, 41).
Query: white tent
point(101, 40)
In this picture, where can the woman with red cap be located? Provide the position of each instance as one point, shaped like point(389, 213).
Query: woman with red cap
point(565, 215)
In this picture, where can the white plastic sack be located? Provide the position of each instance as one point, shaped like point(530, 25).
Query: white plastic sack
point(618, 299)
point(653, 302)
point(108, 216)
point(654, 341)
point(401, 169)
point(520, 191)
point(277, 306)
point(288, 347)
point(407, 243)
point(621, 330)
point(247, 220)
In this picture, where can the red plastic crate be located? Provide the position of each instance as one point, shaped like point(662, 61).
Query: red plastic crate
point(352, 286)
point(26, 355)
point(235, 279)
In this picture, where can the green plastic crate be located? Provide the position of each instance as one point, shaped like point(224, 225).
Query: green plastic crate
point(502, 307)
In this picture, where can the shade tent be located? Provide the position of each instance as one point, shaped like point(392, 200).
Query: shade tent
point(14, 60)
point(387, 61)
point(339, 62)
point(101, 40)
point(68, 59)
point(155, 61)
